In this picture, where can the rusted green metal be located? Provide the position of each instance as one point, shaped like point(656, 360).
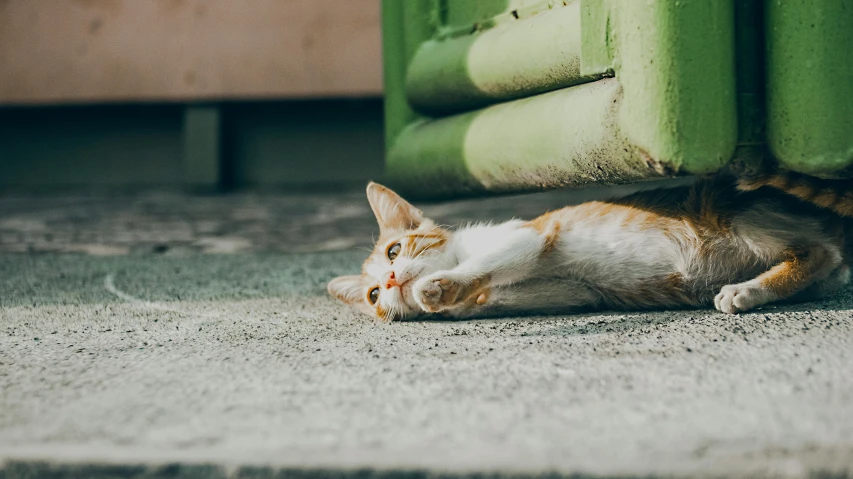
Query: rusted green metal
point(810, 85)
point(568, 137)
point(672, 109)
point(690, 92)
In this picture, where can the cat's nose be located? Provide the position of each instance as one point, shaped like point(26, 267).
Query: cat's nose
point(390, 280)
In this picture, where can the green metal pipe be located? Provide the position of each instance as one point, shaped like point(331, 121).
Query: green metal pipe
point(810, 85)
point(568, 137)
point(671, 110)
point(405, 25)
point(512, 60)
point(475, 14)
point(675, 61)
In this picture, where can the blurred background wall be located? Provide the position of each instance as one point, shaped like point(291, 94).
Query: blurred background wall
point(211, 93)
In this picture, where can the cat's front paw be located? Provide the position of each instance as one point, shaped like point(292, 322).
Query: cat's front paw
point(439, 292)
point(739, 298)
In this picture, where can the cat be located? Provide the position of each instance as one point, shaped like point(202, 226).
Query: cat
point(734, 244)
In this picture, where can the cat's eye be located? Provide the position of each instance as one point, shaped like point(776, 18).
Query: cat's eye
point(393, 251)
point(373, 296)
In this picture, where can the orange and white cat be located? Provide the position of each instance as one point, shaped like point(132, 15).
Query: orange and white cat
point(734, 245)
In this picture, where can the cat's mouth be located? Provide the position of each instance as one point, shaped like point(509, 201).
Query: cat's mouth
point(401, 289)
point(405, 292)
point(405, 289)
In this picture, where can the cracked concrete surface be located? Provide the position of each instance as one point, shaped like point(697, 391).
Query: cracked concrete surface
point(239, 365)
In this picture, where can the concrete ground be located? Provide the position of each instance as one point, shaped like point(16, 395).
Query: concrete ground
point(129, 349)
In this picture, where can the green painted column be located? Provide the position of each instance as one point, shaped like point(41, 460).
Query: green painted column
point(676, 63)
point(406, 24)
point(810, 85)
point(671, 110)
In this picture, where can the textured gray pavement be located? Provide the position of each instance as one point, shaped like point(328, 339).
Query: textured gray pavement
point(179, 364)
point(174, 223)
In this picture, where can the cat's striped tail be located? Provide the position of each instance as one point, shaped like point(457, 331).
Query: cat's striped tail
point(834, 195)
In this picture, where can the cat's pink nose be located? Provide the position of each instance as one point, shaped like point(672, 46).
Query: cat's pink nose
point(390, 280)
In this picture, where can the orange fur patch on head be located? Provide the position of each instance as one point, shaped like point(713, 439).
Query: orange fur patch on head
point(418, 243)
point(383, 314)
point(380, 311)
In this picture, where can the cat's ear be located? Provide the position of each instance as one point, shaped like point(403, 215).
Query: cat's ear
point(392, 212)
point(349, 289)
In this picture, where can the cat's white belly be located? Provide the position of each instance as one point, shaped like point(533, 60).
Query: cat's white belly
point(613, 254)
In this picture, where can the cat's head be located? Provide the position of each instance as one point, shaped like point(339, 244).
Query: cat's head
point(409, 247)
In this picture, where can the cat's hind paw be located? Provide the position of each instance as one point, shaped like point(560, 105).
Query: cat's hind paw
point(739, 298)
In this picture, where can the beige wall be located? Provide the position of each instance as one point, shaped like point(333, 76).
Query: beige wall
point(79, 51)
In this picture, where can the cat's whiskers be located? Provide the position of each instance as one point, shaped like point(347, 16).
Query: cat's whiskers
point(419, 240)
point(398, 313)
point(421, 253)
point(391, 313)
point(422, 237)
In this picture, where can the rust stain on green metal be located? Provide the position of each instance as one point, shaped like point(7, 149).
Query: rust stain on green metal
point(568, 137)
point(680, 104)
